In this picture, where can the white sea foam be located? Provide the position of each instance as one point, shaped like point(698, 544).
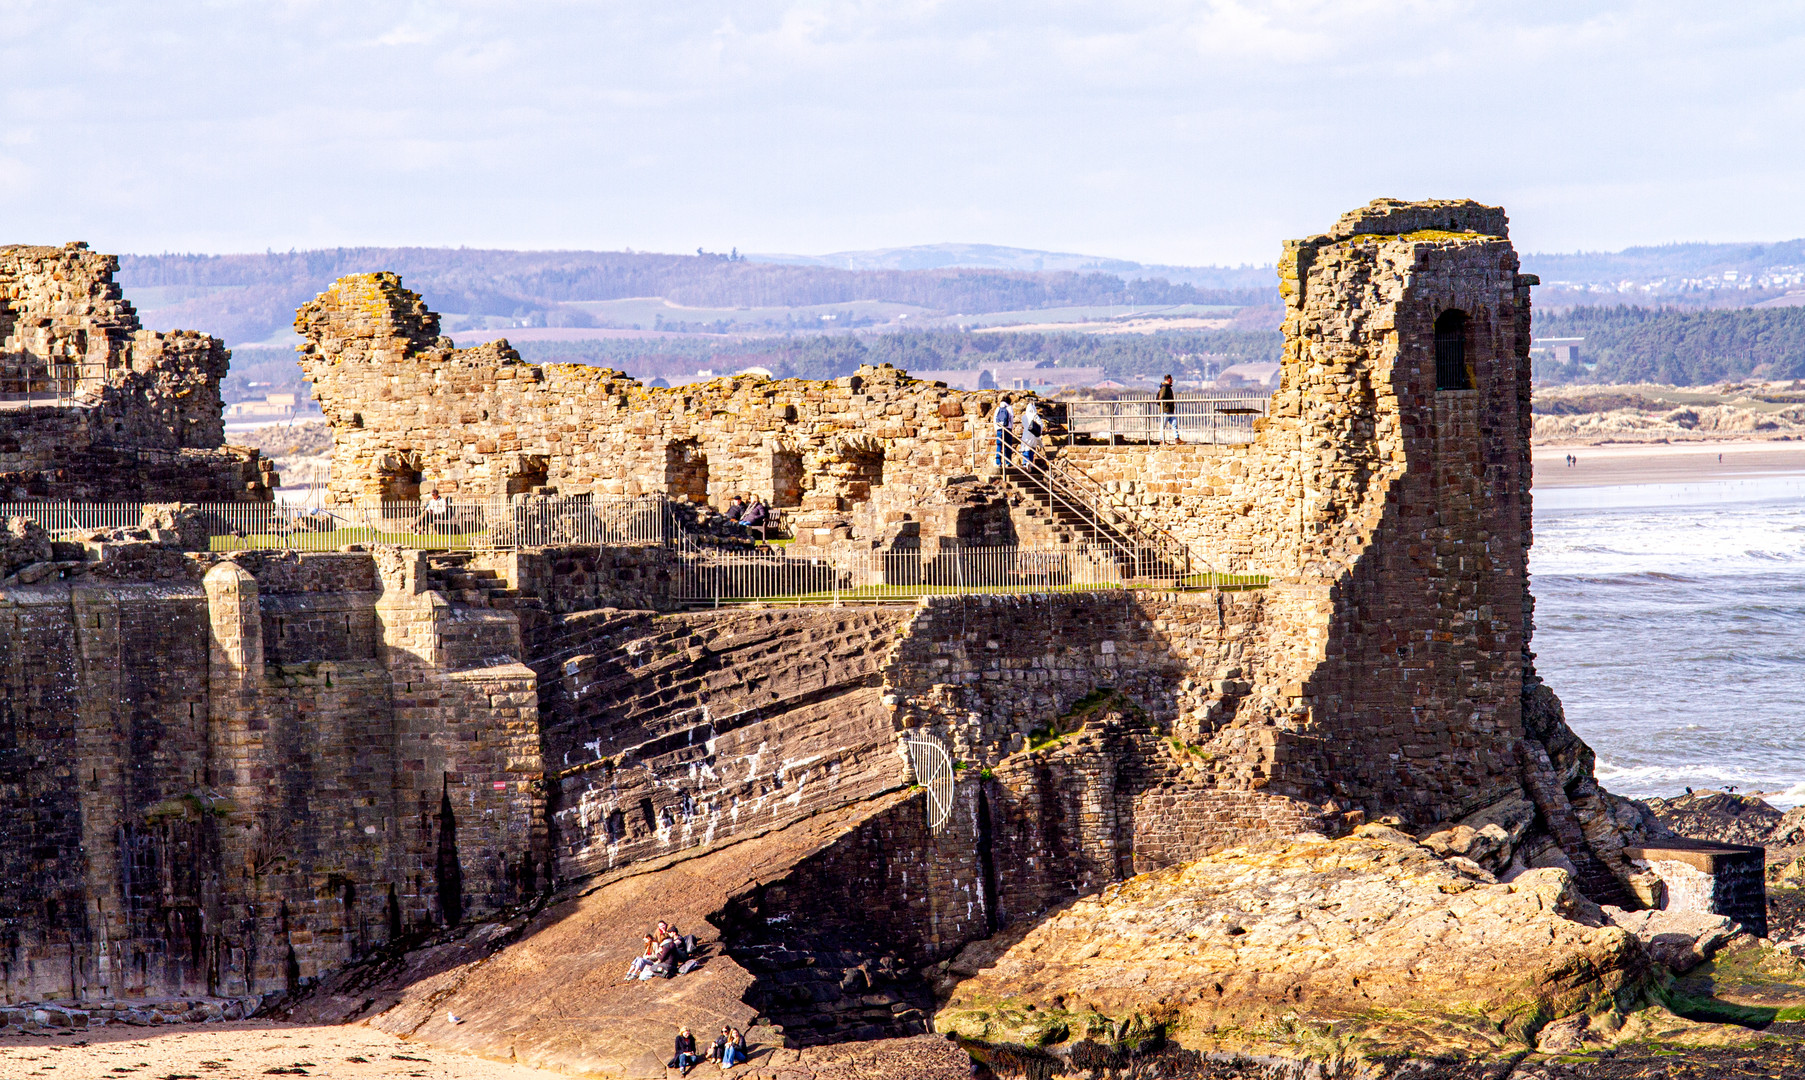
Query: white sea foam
point(1668, 619)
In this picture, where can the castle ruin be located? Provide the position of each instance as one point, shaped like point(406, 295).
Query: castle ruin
point(338, 749)
point(94, 408)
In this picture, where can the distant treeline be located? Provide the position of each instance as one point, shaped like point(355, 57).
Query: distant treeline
point(1681, 348)
point(1121, 356)
point(1664, 261)
point(250, 297)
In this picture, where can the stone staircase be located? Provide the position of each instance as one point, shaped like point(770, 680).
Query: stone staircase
point(452, 576)
point(1059, 503)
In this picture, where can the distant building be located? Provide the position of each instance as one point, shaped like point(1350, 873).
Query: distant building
point(272, 407)
point(1248, 377)
point(1560, 350)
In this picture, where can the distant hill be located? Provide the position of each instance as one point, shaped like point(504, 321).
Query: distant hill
point(994, 257)
point(252, 298)
point(1693, 275)
point(1191, 354)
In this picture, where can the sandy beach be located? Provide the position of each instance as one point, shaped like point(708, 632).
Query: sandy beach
point(241, 1050)
point(1664, 463)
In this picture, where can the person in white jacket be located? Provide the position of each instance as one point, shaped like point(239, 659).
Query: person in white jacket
point(1033, 428)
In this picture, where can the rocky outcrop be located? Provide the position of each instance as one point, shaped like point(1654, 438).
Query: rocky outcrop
point(1677, 940)
point(1726, 818)
point(1311, 948)
point(1370, 956)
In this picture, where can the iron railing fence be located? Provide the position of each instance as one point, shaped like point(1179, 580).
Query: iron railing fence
point(32, 381)
point(62, 517)
point(478, 524)
point(715, 577)
point(1225, 418)
point(1146, 549)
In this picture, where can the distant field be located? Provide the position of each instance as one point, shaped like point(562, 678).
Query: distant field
point(648, 312)
point(1094, 313)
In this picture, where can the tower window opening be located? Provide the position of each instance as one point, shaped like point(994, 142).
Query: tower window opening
point(1451, 371)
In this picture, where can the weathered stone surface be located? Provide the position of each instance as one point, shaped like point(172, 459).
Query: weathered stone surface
point(22, 543)
point(1369, 939)
point(98, 408)
point(1680, 940)
point(335, 753)
point(1728, 819)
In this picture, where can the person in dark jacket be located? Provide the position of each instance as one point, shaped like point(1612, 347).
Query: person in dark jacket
point(1004, 420)
point(1168, 408)
point(685, 1057)
point(756, 516)
point(733, 1051)
point(666, 964)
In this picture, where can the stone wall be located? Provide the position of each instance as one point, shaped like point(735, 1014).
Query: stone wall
point(677, 734)
point(1388, 658)
point(311, 766)
point(858, 456)
point(1395, 516)
point(127, 414)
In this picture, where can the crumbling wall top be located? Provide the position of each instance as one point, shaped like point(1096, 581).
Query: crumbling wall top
point(1395, 217)
point(85, 383)
point(369, 308)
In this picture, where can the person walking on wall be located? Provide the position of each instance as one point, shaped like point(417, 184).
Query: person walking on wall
point(1032, 429)
point(1004, 418)
point(1168, 408)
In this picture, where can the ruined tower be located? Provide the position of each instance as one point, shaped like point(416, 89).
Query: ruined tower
point(93, 407)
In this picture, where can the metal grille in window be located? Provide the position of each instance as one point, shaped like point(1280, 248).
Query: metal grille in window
point(1451, 371)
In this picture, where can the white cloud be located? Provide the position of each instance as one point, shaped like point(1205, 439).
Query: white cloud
point(1172, 131)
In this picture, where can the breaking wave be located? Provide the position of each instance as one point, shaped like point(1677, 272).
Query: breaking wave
point(1668, 619)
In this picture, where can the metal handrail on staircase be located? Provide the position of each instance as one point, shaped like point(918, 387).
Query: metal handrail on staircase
point(1066, 484)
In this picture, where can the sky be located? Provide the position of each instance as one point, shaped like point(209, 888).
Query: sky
point(1176, 132)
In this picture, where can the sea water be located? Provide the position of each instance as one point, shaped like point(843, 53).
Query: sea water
point(1670, 619)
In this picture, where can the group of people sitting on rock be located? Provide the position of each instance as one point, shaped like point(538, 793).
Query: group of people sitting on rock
point(667, 953)
point(729, 1049)
point(749, 515)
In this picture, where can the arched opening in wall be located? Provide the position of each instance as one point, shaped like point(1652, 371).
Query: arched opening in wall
point(529, 475)
point(1451, 369)
point(448, 869)
point(686, 471)
point(398, 478)
point(786, 478)
point(854, 469)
